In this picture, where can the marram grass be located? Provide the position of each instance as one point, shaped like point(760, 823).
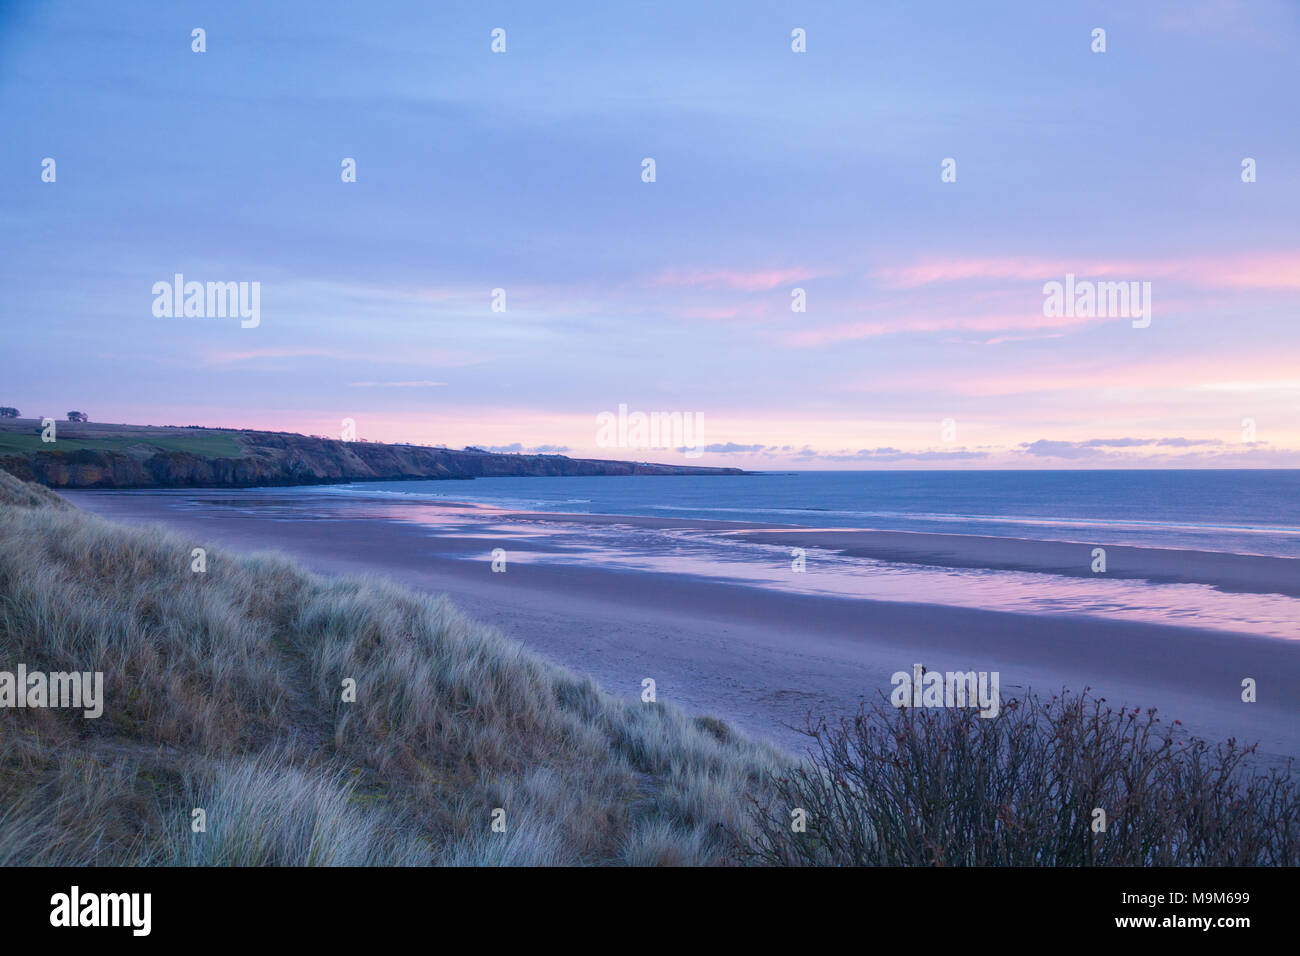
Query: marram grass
point(224, 692)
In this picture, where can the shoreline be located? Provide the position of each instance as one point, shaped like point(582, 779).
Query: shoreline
point(765, 659)
point(1224, 570)
point(1227, 571)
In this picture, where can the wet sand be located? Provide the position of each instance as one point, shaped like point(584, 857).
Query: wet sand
point(1245, 573)
point(765, 659)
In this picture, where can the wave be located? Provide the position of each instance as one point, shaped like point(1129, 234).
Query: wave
point(1028, 520)
point(501, 501)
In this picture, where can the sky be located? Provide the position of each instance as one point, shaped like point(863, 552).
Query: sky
point(922, 171)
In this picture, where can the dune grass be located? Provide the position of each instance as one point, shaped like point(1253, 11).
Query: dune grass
point(225, 692)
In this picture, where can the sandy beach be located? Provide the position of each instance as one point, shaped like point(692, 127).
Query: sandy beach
point(1243, 573)
point(764, 658)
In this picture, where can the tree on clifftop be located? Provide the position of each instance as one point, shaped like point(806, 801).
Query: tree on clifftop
point(7, 412)
point(77, 417)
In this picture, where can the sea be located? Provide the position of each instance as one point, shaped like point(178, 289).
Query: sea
point(1241, 511)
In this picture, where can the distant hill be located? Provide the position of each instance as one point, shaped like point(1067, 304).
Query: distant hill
point(94, 455)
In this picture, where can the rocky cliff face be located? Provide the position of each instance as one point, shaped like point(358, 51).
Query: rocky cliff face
point(281, 459)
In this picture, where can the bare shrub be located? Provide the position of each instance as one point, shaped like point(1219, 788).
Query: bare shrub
point(944, 787)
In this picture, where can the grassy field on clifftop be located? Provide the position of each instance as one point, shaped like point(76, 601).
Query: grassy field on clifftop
point(98, 455)
point(199, 442)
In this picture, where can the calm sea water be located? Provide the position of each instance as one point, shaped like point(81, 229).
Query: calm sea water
point(1249, 512)
point(1240, 511)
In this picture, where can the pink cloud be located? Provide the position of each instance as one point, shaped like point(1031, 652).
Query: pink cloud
point(1176, 376)
point(759, 280)
point(227, 356)
point(1272, 271)
point(938, 295)
point(440, 358)
point(714, 313)
point(897, 322)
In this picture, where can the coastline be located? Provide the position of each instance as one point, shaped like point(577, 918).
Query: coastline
point(764, 659)
point(83, 455)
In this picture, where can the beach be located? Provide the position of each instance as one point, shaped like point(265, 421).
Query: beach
point(738, 635)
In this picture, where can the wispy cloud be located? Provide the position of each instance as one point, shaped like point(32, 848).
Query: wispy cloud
point(1272, 270)
point(900, 322)
point(518, 448)
point(895, 454)
point(415, 384)
point(731, 448)
point(1104, 447)
point(752, 280)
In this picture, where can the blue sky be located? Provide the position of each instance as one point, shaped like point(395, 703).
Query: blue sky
point(775, 170)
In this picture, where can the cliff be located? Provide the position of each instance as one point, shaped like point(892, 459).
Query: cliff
point(91, 455)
